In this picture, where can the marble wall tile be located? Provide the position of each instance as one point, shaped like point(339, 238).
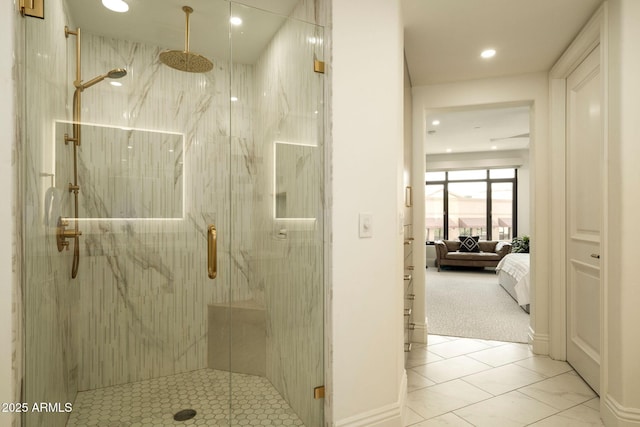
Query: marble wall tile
point(51, 353)
point(17, 240)
point(289, 253)
point(138, 308)
point(147, 305)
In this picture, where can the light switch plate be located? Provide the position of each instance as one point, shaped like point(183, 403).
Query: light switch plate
point(366, 225)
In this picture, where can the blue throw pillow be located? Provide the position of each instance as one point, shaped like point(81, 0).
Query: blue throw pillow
point(469, 243)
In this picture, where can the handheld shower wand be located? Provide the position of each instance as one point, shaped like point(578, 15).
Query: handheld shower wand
point(116, 73)
point(62, 233)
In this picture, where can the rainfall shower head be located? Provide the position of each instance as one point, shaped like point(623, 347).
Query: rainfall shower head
point(116, 73)
point(183, 60)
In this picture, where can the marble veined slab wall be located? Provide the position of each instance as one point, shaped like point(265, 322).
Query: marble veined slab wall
point(50, 298)
point(138, 308)
point(289, 252)
point(145, 290)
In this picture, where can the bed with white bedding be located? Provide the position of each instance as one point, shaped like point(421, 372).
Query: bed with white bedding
point(513, 276)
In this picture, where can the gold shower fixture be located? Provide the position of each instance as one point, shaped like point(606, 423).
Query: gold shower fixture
point(186, 60)
point(65, 230)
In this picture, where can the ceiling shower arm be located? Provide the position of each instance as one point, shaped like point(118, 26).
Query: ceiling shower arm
point(187, 11)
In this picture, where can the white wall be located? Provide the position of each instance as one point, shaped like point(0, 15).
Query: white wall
point(6, 189)
point(367, 133)
point(529, 89)
point(621, 405)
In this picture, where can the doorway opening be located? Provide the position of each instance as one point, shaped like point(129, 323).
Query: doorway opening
point(477, 191)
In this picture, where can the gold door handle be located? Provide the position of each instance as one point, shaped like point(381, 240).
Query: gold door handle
point(212, 252)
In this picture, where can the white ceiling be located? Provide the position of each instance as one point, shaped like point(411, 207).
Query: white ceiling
point(444, 38)
point(475, 130)
point(162, 23)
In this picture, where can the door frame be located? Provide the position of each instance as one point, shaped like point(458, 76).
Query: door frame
point(593, 34)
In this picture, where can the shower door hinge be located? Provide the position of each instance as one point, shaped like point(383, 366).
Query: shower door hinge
point(33, 8)
point(318, 392)
point(318, 66)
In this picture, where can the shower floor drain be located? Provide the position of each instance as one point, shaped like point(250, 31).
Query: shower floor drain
point(184, 415)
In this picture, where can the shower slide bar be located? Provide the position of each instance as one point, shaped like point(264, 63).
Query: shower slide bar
point(62, 234)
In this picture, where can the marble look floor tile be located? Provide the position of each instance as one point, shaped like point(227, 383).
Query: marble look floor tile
point(545, 365)
point(561, 392)
point(457, 347)
point(578, 416)
point(450, 369)
point(420, 356)
point(492, 343)
point(512, 409)
point(415, 381)
point(447, 420)
point(593, 403)
point(437, 339)
point(502, 355)
point(442, 398)
point(503, 379)
point(411, 417)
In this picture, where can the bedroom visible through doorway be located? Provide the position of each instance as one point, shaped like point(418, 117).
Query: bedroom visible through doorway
point(471, 304)
point(477, 184)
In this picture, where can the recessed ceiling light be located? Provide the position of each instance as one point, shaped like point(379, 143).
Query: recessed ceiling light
point(489, 53)
point(494, 147)
point(235, 20)
point(234, 98)
point(116, 5)
point(116, 84)
point(435, 122)
point(449, 150)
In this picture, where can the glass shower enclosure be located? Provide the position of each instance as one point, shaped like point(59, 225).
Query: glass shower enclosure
point(173, 231)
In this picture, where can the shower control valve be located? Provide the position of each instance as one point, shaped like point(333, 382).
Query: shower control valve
point(62, 234)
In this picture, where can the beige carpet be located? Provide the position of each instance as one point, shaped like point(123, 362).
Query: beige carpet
point(471, 304)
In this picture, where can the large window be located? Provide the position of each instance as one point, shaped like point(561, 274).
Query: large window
point(471, 203)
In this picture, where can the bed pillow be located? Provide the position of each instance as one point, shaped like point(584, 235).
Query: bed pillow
point(469, 243)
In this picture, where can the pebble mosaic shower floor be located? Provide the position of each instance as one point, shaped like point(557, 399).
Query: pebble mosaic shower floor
point(152, 403)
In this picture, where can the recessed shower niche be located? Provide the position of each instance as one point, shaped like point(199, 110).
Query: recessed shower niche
point(126, 173)
point(295, 169)
point(166, 155)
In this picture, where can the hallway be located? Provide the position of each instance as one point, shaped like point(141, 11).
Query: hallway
point(470, 382)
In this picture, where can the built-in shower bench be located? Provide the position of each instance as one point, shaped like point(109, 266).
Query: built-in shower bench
point(237, 337)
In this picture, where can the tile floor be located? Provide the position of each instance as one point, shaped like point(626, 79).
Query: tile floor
point(472, 382)
point(152, 403)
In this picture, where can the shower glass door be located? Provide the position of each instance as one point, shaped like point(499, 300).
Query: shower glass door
point(277, 290)
point(135, 311)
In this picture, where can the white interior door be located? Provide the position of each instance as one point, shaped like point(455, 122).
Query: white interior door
point(584, 213)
